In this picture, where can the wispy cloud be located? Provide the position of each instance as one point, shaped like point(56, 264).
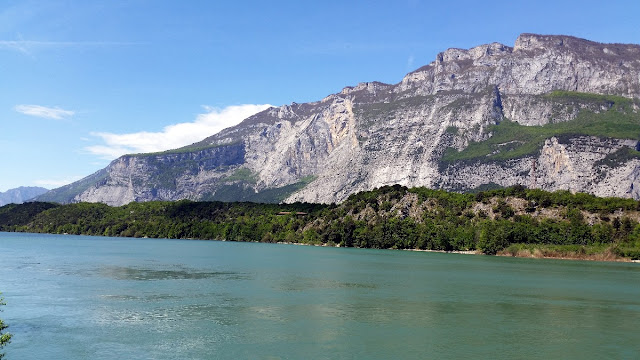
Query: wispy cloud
point(410, 62)
point(173, 136)
point(28, 46)
point(55, 113)
point(57, 182)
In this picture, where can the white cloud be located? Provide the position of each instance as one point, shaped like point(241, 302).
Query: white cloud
point(44, 112)
point(56, 183)
point(173, 136)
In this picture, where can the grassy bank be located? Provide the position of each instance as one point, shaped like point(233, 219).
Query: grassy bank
point(600, 252)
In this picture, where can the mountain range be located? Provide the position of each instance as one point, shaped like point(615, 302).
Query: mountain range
point(20, 195)
point(553, 112)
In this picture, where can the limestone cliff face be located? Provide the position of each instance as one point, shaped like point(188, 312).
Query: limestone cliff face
point(185, 175)
point(577, 164)
point(378, 134)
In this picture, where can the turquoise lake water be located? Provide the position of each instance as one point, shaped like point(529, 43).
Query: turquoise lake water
point(78, 297)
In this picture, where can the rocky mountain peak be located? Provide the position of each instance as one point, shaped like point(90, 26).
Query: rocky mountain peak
point(583, 47)
point(537, 64)
point(528, 42)
point(473, 54)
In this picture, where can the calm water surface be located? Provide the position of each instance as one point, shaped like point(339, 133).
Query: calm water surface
point(77, 297)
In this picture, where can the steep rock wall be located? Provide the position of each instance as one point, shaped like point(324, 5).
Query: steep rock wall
point(377, 134)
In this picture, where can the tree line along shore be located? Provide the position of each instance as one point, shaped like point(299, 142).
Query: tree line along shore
point(512, 221)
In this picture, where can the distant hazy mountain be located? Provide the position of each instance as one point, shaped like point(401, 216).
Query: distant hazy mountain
point(552, 112)
point(21, 194)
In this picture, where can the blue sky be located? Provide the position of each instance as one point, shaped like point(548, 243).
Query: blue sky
point(83, 81)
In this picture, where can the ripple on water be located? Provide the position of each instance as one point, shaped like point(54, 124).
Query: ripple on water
point(302, 284)
point(178, 273)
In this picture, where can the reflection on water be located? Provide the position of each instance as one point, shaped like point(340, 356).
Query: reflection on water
point(93, 298)
point(148, 298)
point(180, 273)
point(299, 283)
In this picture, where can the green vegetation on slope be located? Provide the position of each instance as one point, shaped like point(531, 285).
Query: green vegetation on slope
point(235, 192)
point(511, 140)
point(242, 174)
point(507, 220)
point(196, 147)
point(65, 194)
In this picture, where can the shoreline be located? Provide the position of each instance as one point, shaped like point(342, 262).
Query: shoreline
point(537, 253)
point(594, 257)
point(603, 257)
point(464, 252)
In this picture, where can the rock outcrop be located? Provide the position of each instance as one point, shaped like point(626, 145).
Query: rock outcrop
point(377, 134)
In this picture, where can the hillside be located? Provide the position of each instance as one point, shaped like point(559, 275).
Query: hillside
point(551, 112)
point(513, 221)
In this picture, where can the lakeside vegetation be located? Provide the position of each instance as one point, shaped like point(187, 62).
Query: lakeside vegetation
point(513, 221)
point(5, 337)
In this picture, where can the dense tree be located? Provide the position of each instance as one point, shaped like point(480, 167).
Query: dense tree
point(387, 217)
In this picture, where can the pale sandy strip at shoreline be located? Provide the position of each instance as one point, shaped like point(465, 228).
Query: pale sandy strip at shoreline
point(476, 252)
point(466, 252)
